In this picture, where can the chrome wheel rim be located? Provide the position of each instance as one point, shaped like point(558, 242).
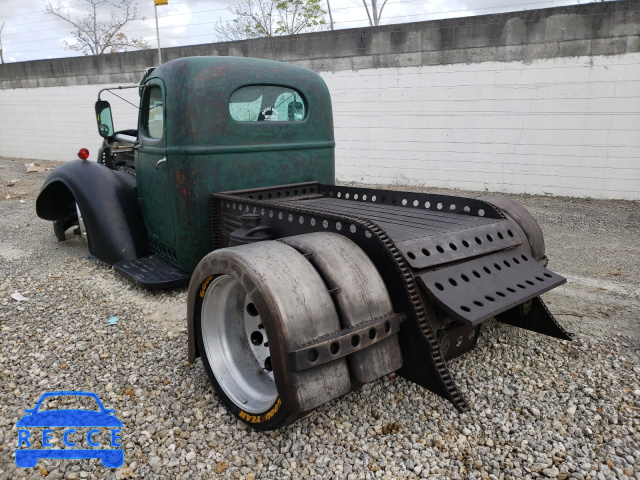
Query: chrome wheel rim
point(236, 345)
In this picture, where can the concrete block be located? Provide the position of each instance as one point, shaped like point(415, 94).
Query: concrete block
point(613, 46)
point(542, 50)
point(483, 54)
point(514, 32)
point(575, 48)
point(430, 39)
point(558, 28)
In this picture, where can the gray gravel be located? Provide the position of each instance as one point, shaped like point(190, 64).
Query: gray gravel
point(542, 408)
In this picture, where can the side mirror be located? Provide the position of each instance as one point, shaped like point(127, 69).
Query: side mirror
point(105, 122)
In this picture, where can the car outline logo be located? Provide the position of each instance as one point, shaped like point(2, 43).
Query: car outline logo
point(69, 418)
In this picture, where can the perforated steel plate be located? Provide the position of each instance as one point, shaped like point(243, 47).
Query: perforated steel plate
point(479, 289)
point(458, 244)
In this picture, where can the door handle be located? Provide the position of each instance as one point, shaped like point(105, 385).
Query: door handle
point(162, 160)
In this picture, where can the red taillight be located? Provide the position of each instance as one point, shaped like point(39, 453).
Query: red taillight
point(83, 153)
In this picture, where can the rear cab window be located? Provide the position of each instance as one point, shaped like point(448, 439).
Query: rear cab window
point(268, 103)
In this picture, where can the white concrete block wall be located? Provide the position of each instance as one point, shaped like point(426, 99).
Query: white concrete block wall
point(562, 126)
point(54, 123)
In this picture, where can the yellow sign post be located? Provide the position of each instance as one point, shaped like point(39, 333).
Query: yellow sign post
point(155, 9)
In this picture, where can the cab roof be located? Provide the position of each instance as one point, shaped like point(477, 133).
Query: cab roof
point(197, 91)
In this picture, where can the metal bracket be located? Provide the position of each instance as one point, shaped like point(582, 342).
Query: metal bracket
point(344, 342)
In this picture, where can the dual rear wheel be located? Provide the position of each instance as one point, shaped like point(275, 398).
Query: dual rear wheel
point(257, 302)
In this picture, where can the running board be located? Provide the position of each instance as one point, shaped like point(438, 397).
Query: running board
point(152, 273)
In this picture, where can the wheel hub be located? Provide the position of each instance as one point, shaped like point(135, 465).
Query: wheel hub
point(237, 346)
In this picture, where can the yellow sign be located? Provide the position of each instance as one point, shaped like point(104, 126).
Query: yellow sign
point(161, 2)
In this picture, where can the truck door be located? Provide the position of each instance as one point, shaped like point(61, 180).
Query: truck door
point(153, 171)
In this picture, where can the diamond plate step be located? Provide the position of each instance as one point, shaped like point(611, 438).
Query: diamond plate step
point(152, 273)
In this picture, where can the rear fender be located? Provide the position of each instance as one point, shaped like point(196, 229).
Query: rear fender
point(520, 217)
point(108, 202)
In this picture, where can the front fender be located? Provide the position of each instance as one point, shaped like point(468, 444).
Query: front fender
point(109, 204)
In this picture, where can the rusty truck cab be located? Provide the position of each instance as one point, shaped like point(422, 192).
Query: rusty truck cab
point(210, 124)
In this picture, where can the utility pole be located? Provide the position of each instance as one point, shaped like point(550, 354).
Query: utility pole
point(155, 9)
point(1, 57)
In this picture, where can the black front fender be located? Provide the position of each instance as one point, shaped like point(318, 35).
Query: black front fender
point(109, 204)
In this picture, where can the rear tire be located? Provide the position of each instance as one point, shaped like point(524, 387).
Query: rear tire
point(524, 220)
point(233, 345)
point(359, 294)
point(75, 218)
point(59, 229)
point(253, 305)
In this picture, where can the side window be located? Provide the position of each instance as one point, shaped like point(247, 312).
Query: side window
point(154, 115)
point(268, 103)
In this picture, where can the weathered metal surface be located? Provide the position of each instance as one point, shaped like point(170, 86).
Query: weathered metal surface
point(430, 230)
point(250, 231)
point(294, 305)
point(523, 218)
point(343, 343)
point(359, 294)
point(455, 337)
point(151, 273)
point(107, 199)
point(481, 288)
point(537, 318)
point(425, 237)
point(378, 221)
point(458, 244)
point(207, 151)
point(423, 360)
point(413, 200)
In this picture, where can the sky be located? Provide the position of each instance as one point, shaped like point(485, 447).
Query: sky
point(30, 34)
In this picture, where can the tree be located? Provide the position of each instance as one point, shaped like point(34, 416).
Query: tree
point(270, 18)
point(93, 35)
point(374, 16)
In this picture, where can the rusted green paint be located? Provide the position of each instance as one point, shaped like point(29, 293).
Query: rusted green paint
point(207, 151)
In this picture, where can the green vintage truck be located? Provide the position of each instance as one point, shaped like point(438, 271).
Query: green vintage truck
point(300, 290)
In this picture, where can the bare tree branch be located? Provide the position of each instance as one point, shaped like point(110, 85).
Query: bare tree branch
point(367, 9)
point(94, 36)
point(380, 11)
point(269, 18)
point(377, 14)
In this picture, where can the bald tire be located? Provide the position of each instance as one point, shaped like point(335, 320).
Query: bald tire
point(254, 304)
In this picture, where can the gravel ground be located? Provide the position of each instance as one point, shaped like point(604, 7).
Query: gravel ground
point(542, 408)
